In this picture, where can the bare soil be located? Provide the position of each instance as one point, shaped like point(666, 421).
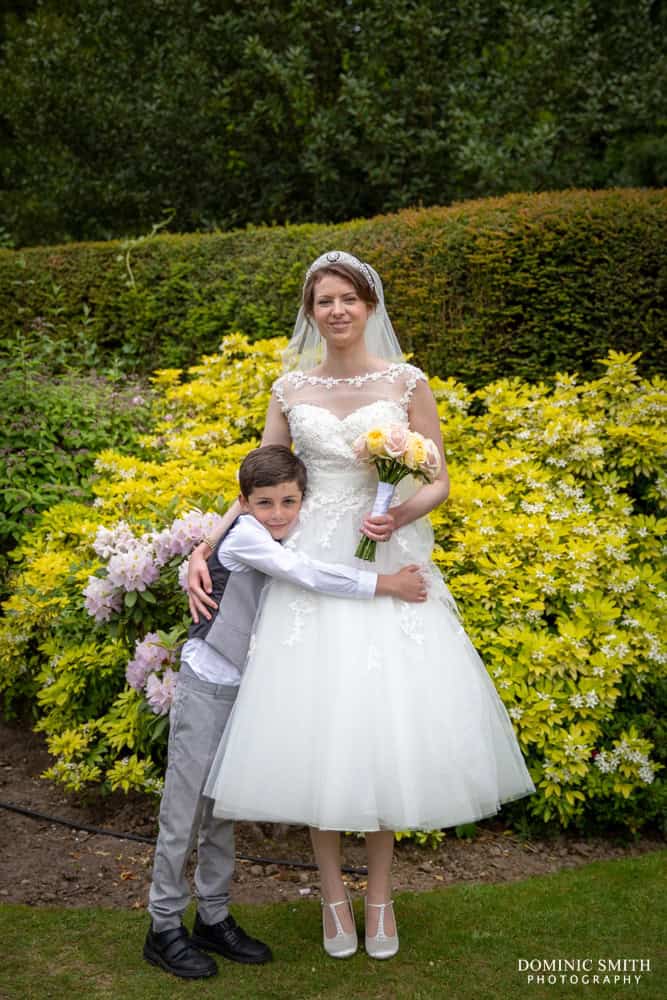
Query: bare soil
point(43, 863)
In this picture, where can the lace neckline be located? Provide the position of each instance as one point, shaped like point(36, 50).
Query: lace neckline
point(356, 380)
point(399, 371)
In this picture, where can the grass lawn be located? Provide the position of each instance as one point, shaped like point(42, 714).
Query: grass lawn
point(461, 942)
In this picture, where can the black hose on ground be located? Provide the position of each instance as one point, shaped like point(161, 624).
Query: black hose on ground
point(32, 814)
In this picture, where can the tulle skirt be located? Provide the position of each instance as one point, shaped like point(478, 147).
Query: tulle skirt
point(364, 714)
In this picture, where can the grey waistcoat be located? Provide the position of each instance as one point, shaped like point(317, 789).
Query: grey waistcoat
point(237, 596)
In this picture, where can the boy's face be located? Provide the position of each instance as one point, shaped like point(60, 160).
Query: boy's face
point(276, 507)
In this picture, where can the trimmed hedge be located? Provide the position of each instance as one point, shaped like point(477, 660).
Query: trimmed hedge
point(525, 285)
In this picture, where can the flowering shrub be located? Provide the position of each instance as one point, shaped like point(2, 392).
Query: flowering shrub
point(552, 542)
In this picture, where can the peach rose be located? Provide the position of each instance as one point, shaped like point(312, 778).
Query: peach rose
point(432, 463)
point(396, 440)
point(360, 448)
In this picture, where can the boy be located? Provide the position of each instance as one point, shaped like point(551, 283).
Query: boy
point(272, 482)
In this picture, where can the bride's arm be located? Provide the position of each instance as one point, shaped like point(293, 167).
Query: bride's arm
point(424, 417)
point(276, 431)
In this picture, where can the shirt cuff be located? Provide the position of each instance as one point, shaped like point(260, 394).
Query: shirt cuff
point(367, 583)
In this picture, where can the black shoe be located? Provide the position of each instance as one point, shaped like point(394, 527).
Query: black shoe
point(174, 952)
point(230, 940)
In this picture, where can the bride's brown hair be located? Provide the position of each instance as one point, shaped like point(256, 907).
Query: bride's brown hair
point(347, 273)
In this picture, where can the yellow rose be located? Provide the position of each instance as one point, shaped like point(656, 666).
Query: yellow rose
point(415, 453)
point(375, 441)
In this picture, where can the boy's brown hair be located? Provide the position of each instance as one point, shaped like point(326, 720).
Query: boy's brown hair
point(269, 466)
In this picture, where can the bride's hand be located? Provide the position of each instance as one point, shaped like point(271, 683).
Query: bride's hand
point(199, 587)
point(380, 528)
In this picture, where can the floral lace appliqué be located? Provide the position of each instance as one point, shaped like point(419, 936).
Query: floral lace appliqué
point(411, 623)
point(300, 607)
point(338, 503)
point(414, 375)
point(279, 393)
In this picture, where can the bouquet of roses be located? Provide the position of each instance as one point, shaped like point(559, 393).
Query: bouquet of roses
point(396, 452)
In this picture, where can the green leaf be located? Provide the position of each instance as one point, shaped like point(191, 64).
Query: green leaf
point(159, 727)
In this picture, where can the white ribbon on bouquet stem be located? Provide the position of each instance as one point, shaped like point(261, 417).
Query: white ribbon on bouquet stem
point(383, 497)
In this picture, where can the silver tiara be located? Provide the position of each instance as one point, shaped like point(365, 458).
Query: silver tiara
point(342, 257)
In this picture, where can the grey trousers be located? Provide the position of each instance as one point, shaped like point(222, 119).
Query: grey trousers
point(198, 716)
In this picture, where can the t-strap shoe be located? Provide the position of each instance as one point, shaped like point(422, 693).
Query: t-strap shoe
point(380, 945)
point(344, 943)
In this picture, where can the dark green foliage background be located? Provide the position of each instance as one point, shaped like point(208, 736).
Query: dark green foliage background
point(526, 285)
point(117, 112)
point(55, 422)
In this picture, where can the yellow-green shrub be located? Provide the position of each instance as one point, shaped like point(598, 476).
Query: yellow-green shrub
point(552, 542)
point(524, 285)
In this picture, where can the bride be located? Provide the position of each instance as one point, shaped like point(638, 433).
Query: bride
point(371, 717)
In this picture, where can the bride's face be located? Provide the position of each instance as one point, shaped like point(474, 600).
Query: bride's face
point(338, 311)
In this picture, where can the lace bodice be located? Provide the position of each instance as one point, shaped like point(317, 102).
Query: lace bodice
point(326, 415)
point(324, 441)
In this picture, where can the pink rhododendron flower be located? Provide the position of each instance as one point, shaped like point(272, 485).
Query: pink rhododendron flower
point(149, 655)
point(183, 575)
point(135, 675)
point(102, 598)
point(188, 531)
point(163, 546)
point(109, 541)
point(160, 693)
point(135, 563)
point(133, 570)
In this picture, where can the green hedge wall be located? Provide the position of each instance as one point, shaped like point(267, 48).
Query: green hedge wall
point(523, 285)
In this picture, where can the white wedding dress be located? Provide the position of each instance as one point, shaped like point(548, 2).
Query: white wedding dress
point(361, 714)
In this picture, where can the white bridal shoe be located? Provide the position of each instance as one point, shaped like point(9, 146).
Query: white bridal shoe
point(344, 943)
point(380, 945)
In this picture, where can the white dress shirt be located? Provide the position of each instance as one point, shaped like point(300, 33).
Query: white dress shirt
point(247, 546)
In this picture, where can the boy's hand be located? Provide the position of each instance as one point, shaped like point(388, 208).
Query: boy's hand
point(407, 585)
point(199, 585)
